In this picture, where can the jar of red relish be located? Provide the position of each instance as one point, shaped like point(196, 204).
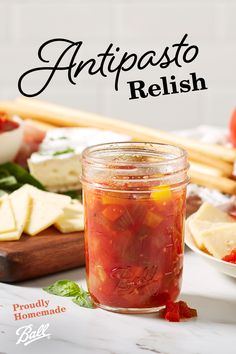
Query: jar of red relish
point(134, 198)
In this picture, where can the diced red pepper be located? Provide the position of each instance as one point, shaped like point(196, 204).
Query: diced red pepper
point(172, 316)
point(185, 311)
point(113, 212)
point(231, 258)
point(175, 311)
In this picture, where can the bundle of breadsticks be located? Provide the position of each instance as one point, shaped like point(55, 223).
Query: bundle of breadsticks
point(211, 165)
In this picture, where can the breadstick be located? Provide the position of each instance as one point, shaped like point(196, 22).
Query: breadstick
point(210, 155)
point(223, 184)
point(224, 166)
point(40, 125)
point(206, 170)
point(62, 116)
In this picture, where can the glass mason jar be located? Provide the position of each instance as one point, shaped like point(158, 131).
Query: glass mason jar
point(134, 199)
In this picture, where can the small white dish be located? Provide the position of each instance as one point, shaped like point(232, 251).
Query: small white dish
point(10, 142)
point(221, 266)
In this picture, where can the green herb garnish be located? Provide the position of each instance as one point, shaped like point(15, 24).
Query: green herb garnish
point(13, 176)
point(6, 182)
point(62, 152)
point(69, 288)
point(63, 288)
point(83, 300)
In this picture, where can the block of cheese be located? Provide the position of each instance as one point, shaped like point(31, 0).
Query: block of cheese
point(220, 240)
point(57, 164)
point(70, 224)
point(43, 214)
point(58, 175)
point(7, 219)
point(205, 218)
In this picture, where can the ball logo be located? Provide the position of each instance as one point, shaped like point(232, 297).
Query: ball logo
point(28, 335)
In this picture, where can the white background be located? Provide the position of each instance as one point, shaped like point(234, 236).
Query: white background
point(135, 26)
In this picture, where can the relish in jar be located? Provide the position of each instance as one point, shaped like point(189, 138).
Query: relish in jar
point(134, 198)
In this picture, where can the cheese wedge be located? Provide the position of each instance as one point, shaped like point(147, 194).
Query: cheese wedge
point(72, 218)
point(220, 240)
point(7, 220)
point(74, 209)
point(210, 213)
point(10, 236)
point(31, 210)
point(207, 217)
point(59, 200)
point(70, 224)
point(20, 203)
point(43, 214)
point(21, 207)
point(196, 228)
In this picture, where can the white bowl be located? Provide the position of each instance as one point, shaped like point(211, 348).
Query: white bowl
point(221, 266)
point(10, 142)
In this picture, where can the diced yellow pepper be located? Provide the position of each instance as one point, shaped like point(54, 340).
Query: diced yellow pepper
point(162, 193)
point(152, 219)
point(109, 199)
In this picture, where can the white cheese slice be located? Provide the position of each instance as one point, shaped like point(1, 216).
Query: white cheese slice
point(207, 217)
point(10, 236)
point(72, 218)
point(20, 203)
point(196, 228)
point(58, 199)
point(43, 214)
point(220, 240)
point(210, 213)
point(21, 206)
point(74, 209)
point(70, 224)
point(7, 220)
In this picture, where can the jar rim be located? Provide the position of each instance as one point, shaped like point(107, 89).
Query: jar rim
point(180, 154)
point(134, 164)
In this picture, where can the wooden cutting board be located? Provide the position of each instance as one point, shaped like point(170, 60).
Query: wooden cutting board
point(47, 253)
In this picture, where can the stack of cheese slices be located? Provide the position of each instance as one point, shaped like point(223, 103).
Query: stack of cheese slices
point(31, 211)
point(213, 230)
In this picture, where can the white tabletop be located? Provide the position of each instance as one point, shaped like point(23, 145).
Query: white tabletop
point(85, 331)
